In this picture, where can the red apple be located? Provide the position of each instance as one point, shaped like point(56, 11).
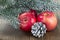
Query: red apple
point(48, 18)
point(26, 20)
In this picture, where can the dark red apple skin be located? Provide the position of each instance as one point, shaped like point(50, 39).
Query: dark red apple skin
point(33, 12)
point(26, 20)
point(48, 18)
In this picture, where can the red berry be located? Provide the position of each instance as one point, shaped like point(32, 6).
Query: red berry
point(26, 20)
point(49, 19)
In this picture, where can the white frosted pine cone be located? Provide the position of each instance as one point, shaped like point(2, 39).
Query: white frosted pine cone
point(38, 29)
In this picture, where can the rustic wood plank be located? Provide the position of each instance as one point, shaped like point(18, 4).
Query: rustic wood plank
point(12, 34)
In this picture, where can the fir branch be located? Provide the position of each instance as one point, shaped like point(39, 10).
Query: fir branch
point(10, 9)
point(42, 5)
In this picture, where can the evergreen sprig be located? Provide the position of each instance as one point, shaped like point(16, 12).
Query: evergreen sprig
point(10, 9)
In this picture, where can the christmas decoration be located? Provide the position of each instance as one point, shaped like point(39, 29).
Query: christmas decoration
point(49, 19)
point(27, 19)
point(10, 9)
point(38, 29)
point(16, 10)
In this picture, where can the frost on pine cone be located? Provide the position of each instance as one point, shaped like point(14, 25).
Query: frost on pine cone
point(38, 29)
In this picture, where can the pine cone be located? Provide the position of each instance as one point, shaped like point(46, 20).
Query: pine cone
point(38, 29)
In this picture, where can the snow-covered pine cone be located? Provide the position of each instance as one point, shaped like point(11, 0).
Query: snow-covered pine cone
point(38, 29)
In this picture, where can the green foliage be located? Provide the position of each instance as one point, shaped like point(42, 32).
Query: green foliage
point(11, 8)
point(42, 5)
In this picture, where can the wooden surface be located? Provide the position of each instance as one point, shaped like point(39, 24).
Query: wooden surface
point(7, 32)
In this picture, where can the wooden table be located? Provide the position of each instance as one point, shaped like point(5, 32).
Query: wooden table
point(7, 32)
